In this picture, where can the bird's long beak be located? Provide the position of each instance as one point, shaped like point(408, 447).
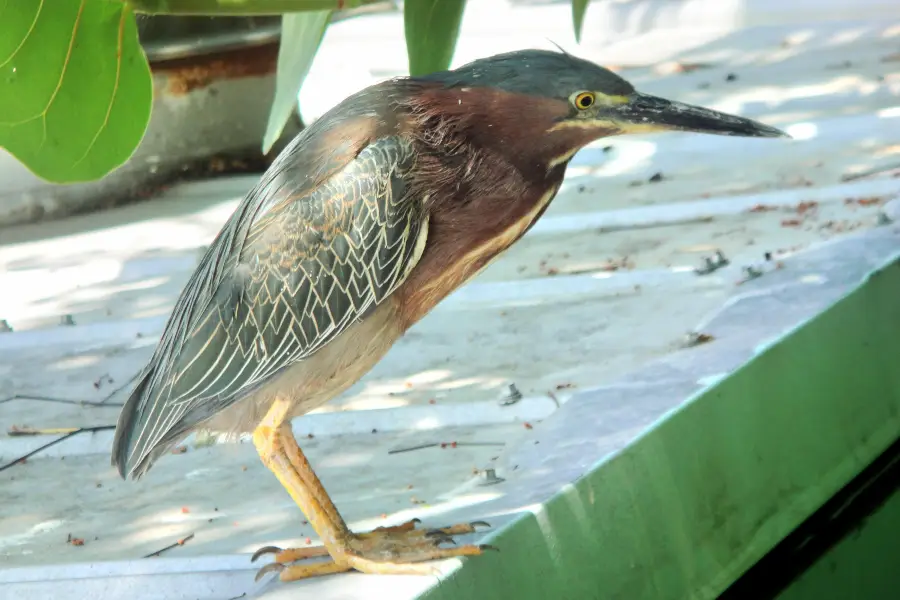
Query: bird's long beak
point(642, 112)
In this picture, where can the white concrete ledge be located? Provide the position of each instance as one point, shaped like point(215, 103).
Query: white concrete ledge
point(134, 332)
point(687, 212)
point(384, 420)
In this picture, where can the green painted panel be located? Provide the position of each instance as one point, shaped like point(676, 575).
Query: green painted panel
point(693, 503)
point(863, 565)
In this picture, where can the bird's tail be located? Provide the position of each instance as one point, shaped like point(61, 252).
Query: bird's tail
point(122, 457)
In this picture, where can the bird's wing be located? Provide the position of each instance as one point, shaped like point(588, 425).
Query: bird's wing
point(288, 273)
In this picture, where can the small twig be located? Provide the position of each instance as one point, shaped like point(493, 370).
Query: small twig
point(30, 431)
point(102, 402)
point(553, 397)
point(51, 399)
point(120, 388)
point(25, 457)
point(180, 542)
point(870, 172)
point(103, 379)
point(444, 445)
point(411, 448)
point(480, 443)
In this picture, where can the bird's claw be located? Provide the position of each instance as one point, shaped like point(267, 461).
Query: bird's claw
point(265, 550)
point(403, 543)
point(470, 527)
point(275, 567)
point(440, 537)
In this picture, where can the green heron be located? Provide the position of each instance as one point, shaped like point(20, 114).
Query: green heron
point(367, 220)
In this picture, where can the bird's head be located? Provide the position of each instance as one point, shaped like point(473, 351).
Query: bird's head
point(548, 105)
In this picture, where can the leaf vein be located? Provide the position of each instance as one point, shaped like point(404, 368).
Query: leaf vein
point(37, 15)
point(62, 74)
point(112, 98)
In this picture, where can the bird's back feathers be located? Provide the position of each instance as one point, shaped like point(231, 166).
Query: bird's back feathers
point(328, 233)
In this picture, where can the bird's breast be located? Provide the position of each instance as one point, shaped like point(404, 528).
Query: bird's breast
point(453, 256)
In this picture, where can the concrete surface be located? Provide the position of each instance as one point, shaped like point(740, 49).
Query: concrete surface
point(602, 287)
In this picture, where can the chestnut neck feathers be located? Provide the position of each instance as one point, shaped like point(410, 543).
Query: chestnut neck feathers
point(486, 175)
point(482, 141)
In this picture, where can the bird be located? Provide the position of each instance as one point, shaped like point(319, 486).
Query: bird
point(368, 219)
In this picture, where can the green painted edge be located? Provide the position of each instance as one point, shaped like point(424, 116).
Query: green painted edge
point(861, 565)
point(705, 493)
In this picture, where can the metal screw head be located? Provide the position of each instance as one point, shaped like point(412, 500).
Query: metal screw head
point(490, 477)
point(510, 396)
point(712, 263)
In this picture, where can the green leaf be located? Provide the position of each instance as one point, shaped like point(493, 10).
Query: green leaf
point(579, 8)
point(221, 8)
point(301, 34)
point(75, 86)
point(432, 27)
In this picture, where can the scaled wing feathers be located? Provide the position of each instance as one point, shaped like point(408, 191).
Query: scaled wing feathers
point(286, 275)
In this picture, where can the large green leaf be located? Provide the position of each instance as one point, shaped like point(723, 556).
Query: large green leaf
point(222, 8)
point(301, 34)
point(75, 86)
point(432, 27)
point(579, 8)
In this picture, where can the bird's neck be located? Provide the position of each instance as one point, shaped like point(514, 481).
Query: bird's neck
point(479, 201)
point(464, 237)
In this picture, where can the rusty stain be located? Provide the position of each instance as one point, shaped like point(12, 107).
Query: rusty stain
point(184, 75)
point(806, 206)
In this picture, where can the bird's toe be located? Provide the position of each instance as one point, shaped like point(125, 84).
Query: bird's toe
point(264, 550)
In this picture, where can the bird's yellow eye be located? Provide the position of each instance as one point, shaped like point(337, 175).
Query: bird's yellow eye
point(585, 100)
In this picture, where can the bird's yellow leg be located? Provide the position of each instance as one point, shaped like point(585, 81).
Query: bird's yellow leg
point(388, 550)
point(269, 439)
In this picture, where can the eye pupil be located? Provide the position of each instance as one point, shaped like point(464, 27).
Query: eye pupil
point(584, 101)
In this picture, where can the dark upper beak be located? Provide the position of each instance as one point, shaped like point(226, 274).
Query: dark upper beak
point(652, 112)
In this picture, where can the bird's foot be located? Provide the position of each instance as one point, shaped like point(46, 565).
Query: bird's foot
point(395, 550)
